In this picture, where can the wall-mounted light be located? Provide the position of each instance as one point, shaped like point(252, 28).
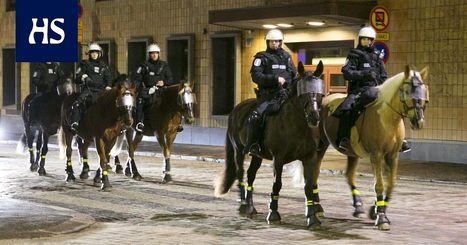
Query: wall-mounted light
point(316, 23)
point(269, 26)
point(285, 25)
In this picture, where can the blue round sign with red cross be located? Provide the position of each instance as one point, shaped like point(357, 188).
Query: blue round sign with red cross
point(383, 48)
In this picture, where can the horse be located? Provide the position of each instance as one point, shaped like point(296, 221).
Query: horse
point(290, 134)
point(101, 123)
point(45, 125)
point(162, 120)
point(377, 134)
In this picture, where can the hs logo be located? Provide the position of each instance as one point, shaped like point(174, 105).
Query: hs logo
point(44, 29)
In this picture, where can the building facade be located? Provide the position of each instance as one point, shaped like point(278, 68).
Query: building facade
point(212, 44)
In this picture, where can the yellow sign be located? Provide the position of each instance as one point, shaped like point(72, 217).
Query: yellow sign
point(382, 36)
point(80, 24)
point(80, 31)
point(379, 18)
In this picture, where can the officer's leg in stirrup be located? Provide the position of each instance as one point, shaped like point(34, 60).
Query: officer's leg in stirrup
point(343, 132)
point(252, 147)
point(139, 115)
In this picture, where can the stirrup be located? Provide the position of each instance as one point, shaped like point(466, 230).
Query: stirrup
point(405, 147)
point(344, 145)
point(255, 150)
point(180, 128)
point(139, 127)
point(74, 126)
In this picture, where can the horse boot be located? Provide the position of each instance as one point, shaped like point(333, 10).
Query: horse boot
point(139, 115)
point(343, 132)
point(252, 147)
point(75, 116)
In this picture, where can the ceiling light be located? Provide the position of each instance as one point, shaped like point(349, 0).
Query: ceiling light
point(269, 26)
point(316, 23)
point(285, 25)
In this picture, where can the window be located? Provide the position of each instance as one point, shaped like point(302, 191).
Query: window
point(136, 53)
point(181, 57)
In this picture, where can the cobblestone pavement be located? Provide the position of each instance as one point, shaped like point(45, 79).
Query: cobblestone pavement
point(422, 211)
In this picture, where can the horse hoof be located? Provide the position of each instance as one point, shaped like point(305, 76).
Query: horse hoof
point(84, 175)
point(318, 210)
point(167, 179)
point(106, 187)
point(33, 167)
point(42, 172)
point(119, 169)
point(274, 218)
point(127, 172)
point(384, 227)
point(137, 176)
point(109, 168)
point(70, 178)
point(249, 210)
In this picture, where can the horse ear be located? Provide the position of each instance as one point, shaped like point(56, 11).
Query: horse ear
point(301, 69)
point(319, 69)
point(424, 73)
point(407, 71)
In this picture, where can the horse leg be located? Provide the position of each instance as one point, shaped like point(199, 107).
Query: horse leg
point(166, 143)
point(38, 147)
point(83, 152)
point(273, 216)
point(118, 165)
point(104, 178)
point(131, 170)
point(352, 164)
point(313, 209)
point(382, 222)
point(44, 151)
point(69, 167)
point(246, 192)
point(30, 140)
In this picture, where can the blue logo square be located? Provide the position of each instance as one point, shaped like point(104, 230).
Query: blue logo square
point(47, 31)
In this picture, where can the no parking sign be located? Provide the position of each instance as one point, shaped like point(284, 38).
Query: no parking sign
point(383, 48)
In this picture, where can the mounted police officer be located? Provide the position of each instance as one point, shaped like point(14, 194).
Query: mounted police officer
point(152, 75)
point(94, 75)
point(364, 69)
point(46, 77)
point(272, 70)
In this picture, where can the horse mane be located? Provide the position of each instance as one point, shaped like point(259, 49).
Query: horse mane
point(389, 88)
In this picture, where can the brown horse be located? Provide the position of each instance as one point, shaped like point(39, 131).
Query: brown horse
point(46, 125)
point(378, 133)
point(101, 124)
point(290, 134)
point(162, 120)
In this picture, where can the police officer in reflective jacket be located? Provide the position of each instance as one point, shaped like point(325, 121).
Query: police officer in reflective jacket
point(94, 76)
point(152, 75)
point(364, 69)
point(272, 70)
point(47, 76)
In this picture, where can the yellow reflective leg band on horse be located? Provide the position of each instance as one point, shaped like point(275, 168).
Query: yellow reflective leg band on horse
point(104, 173)
point(38, 151)
point(381, 203)
point(68, 163)
point(310, 202)
point(249, 188)
point(315, 191)
point(275, 198)
point(242, 183)
point(31, 149)
point(355, 192)
point(85, 160)
point(43, 157)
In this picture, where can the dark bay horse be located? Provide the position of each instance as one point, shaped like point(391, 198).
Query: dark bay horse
point(378, 133)
point(162, 120)
point(46, 125)
point(290, 134)
point(101, 124)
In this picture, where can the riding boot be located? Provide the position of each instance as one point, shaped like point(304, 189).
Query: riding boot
point(343, 132)
point(252, 147)
point(139, 115)
point(75, 116)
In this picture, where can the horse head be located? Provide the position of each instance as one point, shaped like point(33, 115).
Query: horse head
point(126, 98)
point(66, 87)
point(310, 90)
point(187, 101)
point(414, 96)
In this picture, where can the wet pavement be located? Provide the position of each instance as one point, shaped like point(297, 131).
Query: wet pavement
point(27, 219)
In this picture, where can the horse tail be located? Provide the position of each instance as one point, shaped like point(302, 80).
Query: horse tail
point(62, 143)
point(227, 177)
point(117, 146)
point(297, 174)
point(21, 147)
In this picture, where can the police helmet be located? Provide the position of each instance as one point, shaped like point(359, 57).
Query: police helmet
point(367, 32)
point(274, 34)
point(153, 48)
point(94, 47)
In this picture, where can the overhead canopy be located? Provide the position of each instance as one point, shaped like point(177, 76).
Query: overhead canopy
point(333, 13)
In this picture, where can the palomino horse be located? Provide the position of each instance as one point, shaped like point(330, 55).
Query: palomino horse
point(46, 124)
point(378, 134)
point(101, 124)
point(162, 120)
point(290, 134)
